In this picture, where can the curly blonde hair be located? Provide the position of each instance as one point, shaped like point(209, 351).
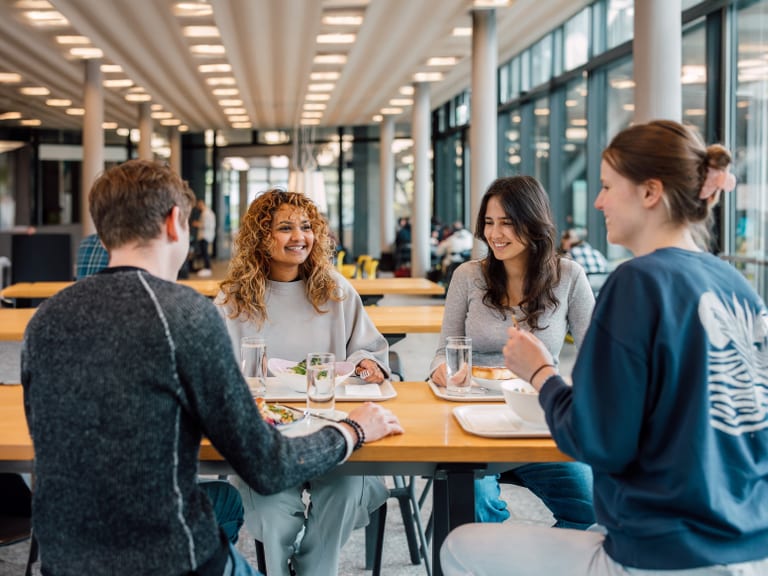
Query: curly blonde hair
point(245, 285)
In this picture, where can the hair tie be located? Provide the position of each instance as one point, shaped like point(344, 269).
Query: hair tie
point(717, 179)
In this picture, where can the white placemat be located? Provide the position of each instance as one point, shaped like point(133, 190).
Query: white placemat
point(495, 421)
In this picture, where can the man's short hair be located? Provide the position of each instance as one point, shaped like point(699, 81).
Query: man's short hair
point(131, 201)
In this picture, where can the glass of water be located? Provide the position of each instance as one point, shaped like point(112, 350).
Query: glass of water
point(253, 363)
point(321, 383)
point(458, 364)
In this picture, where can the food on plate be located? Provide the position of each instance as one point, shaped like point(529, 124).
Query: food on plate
point(275, 414)
point(492, 373)
point(301, 367)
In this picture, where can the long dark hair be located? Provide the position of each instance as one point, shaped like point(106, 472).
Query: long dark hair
point(526, 206)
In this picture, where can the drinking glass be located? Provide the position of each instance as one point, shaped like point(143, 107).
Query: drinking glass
point(458, 364)
point(321, 383)
point(253, 363)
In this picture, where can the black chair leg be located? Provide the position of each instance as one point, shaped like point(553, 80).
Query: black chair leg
point(374, 539)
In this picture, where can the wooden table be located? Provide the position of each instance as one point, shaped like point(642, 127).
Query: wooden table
point(392, 321)
point(13, 322)
point(370, 289)
point(433, 444)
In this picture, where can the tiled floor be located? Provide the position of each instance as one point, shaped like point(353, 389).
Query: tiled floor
point(415, 353)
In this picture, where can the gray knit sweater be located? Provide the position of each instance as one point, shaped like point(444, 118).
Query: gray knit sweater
point(467, 315)
point(123, 373)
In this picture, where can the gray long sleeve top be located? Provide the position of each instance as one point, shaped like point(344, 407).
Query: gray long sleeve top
point(123, 374)
point(467, 315)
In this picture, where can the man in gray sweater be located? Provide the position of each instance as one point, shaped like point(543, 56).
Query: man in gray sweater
point(123, 374)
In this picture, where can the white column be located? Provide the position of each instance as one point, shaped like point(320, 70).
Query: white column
point(483, 131)
point(387, 184)
point(174, 139)
point(657, 55)
point(93, 139)
point(420, 212)
point(145, 132)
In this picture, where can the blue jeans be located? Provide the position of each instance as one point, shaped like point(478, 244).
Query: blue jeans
point(237, 565)
point(227, 506)
point(564, 487)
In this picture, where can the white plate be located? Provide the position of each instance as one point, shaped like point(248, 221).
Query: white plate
point(494, 385)
point(477, 394)
point(309, 425)
point(353, 390)
point(494, 421)
point(298, 382)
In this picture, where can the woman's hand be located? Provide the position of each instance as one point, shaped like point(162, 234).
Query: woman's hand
point(376, 421)
point(369, 371)
point(440, 376)
point(524, 353)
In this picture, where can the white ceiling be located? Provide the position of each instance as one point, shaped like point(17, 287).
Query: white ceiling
point(270, 45)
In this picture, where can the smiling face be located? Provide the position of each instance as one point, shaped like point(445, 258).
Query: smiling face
point(292, 242)
point(500, 235)
point(621, 202)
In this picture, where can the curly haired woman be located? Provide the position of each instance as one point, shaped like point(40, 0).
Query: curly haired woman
point(281, 285)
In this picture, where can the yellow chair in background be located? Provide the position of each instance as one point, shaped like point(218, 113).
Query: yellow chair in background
point(346, 270)
point(371, 268)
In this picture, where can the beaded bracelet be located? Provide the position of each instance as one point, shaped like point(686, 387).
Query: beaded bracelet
point(358, 430)
point(539, 369)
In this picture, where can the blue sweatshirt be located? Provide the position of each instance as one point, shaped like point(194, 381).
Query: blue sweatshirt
point(669, 406)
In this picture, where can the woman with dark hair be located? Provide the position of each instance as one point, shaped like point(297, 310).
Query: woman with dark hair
point(281, 285)
point(669, 403)
point(522, 280)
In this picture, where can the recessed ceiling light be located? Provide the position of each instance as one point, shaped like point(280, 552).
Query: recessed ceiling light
point(326, 87)
point(335, 38)
point(226, 92)
point(9, 78)
point(221, 81)
point(70, 39)
point(123, 132)
point(207, 49)
point(138, 97)
point(541, 111)
point(324, 76)
point(111, 68)
point(377, 118)
point(109, 125)
point(86, 52)
point(231, 102)
point(58, 102)
point(314, 106)
point(407, 90)
point(201, 32)
point(428, 76)
point(193, 9)
point(33, 5)
point(31, 122)
point(211, 68)
point(183, 128)
point(342, 19)
point(240, 125)
point(318, 97)
point(330, 59)
point(34, 91)
point(155, 107)
point(442, 61)
point(229, 111)
point(159, 115)
point(76, 111)
point(309, 122)
point(401, 101)
point(46, 18)
point(118, 83)
point(136, 90)
point(170, 122)
point(391, 111)
point(308, 114)
point(462, 31)
point(239, 118)
point(490, 3)
point(10, 116)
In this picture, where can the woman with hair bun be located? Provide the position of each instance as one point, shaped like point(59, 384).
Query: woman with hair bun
point(669, 403)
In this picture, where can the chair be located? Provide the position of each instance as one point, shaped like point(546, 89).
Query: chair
point(362, 265)
point(371, 267)
point(346, 270)
point(16, 515)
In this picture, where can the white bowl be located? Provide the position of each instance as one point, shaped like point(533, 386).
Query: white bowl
point(298, 382)
point(490, 383)
point(523, 399)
